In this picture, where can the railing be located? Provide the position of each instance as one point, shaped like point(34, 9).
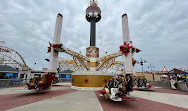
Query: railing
point(65, 80)
point(11, 82)
point(182, 86)
point(20, 82)
point(163, 84)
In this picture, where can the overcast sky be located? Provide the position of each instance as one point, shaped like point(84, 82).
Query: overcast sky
point(158, 27)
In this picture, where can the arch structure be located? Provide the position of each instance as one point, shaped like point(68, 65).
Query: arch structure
point(80, 60)
point(67, 64)
point(110, 65)
point(113, 67)
point(11, 58)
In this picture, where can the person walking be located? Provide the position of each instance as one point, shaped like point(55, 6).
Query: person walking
point(173, 83)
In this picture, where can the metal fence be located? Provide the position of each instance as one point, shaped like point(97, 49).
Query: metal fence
point(65, 80)
point(20, 82)
point(182, 86)
point(163, 84)
point(11, 82)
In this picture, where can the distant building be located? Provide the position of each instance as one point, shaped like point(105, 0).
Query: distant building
point(65, 74)
point(164, 70)
point(155, 75)
point(149, 76)
point(8, 72)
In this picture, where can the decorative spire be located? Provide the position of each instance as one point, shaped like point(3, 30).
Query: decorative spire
point(93, 3)
point(164, 69)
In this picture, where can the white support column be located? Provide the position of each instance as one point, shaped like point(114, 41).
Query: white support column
point(56, 39)
point(129, 69)
point(125, 28)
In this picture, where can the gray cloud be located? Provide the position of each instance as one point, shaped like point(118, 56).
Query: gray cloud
point(158, 28)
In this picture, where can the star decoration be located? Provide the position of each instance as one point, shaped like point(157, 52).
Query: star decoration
point(125, 48)
point(133, 61)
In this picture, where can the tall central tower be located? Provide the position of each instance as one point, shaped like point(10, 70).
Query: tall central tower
point(93, 15)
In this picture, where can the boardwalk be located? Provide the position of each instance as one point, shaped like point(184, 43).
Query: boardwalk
point(64, 98)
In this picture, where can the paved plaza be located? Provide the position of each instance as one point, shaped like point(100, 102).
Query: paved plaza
point(63, 98)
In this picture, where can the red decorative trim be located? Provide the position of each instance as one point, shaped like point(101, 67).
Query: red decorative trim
point(86, 81)
point(49, 49)
point(133, 61)
point(164, 70)
point(149, 85)
point(47, 60)
point(57, 45)
point(50, 44)
point(103, 91)
point(138, 50)
point(105, 80)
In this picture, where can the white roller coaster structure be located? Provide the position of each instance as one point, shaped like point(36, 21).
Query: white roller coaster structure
point(11, 58)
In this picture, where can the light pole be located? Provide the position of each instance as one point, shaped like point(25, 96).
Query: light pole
point(142, 63)
point(34, 65)
point(151, 66)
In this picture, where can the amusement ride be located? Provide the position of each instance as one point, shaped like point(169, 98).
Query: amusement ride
point(90, 69)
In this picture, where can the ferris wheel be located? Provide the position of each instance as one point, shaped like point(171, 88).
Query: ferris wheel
point(11, 58)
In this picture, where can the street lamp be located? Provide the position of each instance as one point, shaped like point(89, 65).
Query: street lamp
point(142, 63)
point(34, 65)
point(151, 66)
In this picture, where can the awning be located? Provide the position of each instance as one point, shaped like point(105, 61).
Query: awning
point(164, 76)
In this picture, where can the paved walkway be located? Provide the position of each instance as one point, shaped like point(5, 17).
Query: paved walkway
point(62, 97)
point(167, 98)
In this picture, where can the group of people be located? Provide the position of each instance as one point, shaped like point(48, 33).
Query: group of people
point(37, 82)
point(140, 82)
point(33, 82)
point(120, 85)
